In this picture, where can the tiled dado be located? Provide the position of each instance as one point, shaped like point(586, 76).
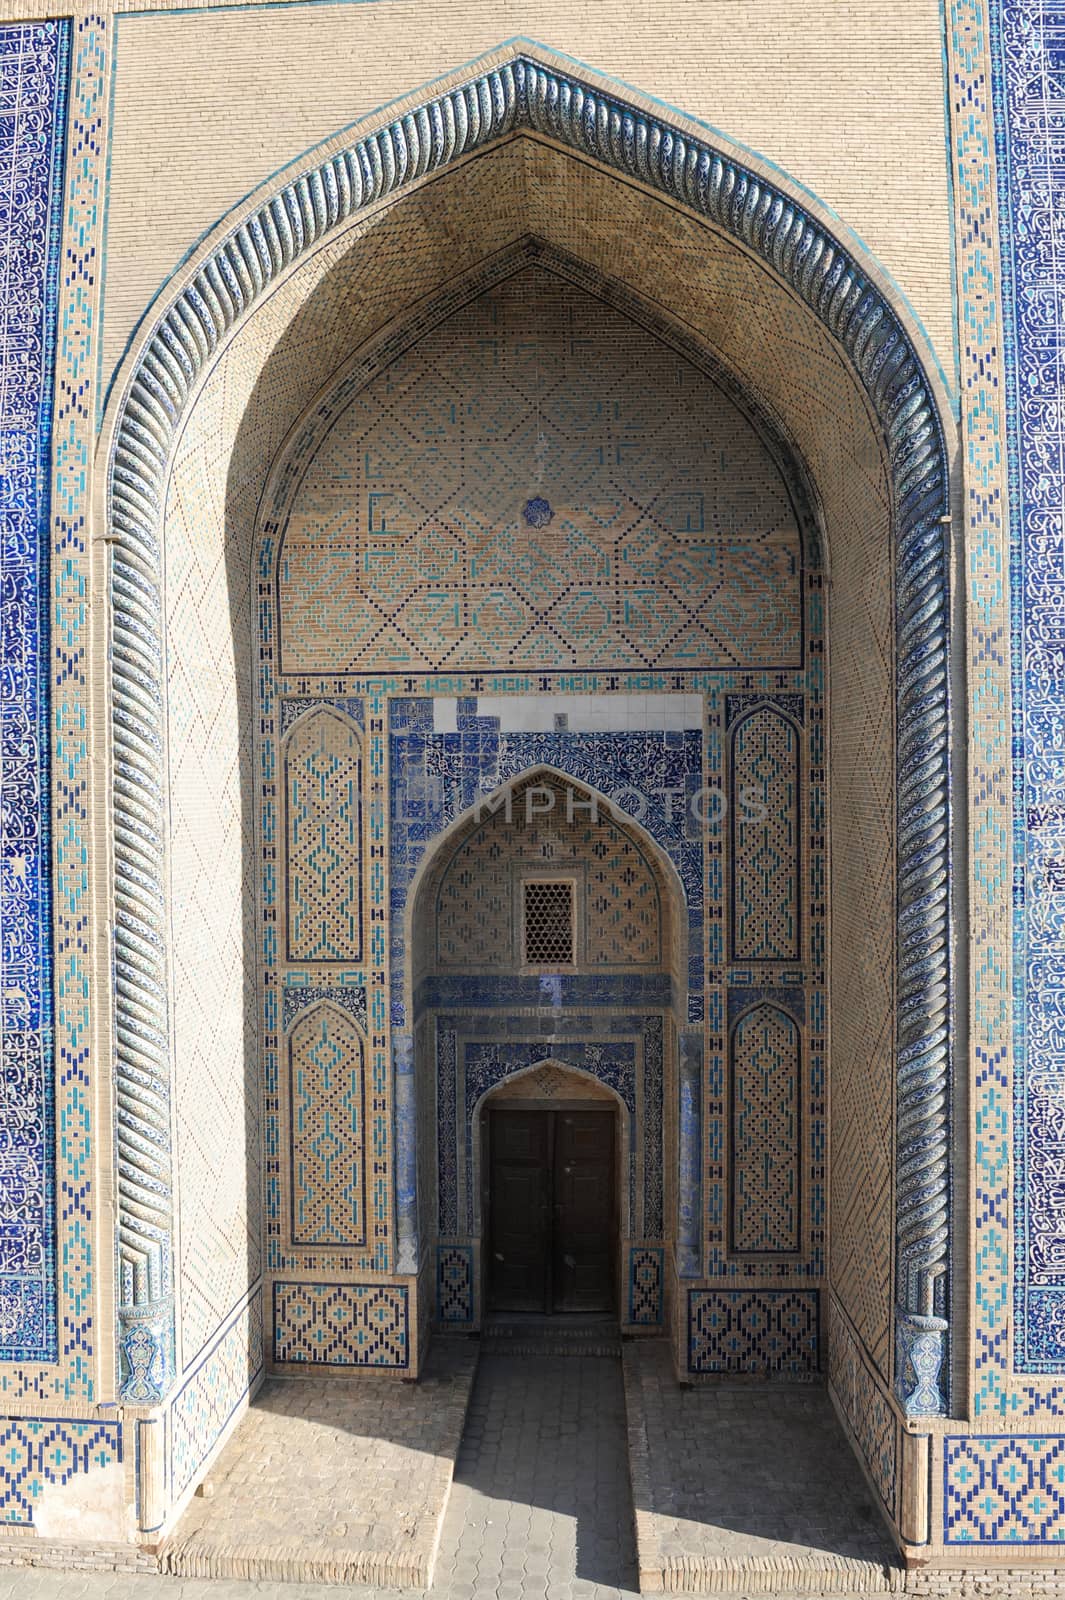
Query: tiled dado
point(37, 1453)
point(210, 1395)
point(644, 1299)
point(764, 1332)
point(1004, 1489)
point(342, 1325)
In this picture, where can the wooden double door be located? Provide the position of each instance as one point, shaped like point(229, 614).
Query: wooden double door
point(552, 1212)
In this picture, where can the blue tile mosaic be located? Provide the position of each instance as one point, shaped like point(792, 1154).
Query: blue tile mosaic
point(33, 90)
point(437, 776)
point(1029, 58)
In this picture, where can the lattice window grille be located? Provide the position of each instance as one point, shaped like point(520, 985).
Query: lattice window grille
point(549, 923)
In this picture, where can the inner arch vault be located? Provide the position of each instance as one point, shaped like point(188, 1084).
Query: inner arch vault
point(351, 245)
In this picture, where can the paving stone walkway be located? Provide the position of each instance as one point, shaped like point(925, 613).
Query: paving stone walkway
point(747, 1488)
point(540, 1504)
point(760, 1482)
point(333, 1482)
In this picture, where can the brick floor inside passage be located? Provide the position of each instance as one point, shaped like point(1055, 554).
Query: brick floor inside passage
point(541, 1502)
point(754, 1489)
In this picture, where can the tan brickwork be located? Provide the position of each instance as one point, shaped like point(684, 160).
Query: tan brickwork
point(848, 97)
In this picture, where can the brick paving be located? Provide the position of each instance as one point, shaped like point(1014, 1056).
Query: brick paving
point(332, 1481)
point(541, 1503)
point(747, 1487)
point(754, 1488)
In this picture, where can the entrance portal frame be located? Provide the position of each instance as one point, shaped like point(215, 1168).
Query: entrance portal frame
point(672, 1149)
point(181, 340)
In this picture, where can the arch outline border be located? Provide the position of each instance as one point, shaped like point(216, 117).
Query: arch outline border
point(552, 100)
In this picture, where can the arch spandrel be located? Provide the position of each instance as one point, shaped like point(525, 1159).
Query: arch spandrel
point(729, 247)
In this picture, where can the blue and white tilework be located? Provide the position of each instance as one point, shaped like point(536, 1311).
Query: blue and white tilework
point(41, 1451)
point(1030, 89)
point(33, 89)
point(446, 755)
point(1004, 1489)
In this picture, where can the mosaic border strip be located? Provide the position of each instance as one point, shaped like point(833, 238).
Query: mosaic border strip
point(1029, 104)
point(524, 93)
point(34, 68)
point(1001, 1481)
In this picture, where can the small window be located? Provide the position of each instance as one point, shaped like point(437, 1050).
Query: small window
point(549, 923)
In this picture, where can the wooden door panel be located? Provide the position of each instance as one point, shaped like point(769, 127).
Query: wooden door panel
point(519, 1210)
point(584, 1242)
point(551, 1211)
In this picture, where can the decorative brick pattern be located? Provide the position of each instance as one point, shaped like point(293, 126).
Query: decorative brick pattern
point(454, 1283)
point(488, 887)
point(765, 1151)
point(427, 562)
point(35, 1452)
point(341, 1324)
point(322, 760)
point(207, 1399)
point(870, 1415)
point(1004, 1489)
point(765, 921)
point(646, 1286)
point(327, 1106)
point(768, 1332)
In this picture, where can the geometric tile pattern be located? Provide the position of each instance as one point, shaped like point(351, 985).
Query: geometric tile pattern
point(847, 289)
point(448, 747)
point(74, 1375)
point(38, 1451)
point(475, 1054)
point(1006, 1489)
point(454, 1285)
point(341, 1324)
point(765, 838)
point(323, 788)
point(548, 923)
point(768, 1332)
point(477, 920)
point(347, 991)
point(646, 1286)
point(33, 82)
point(868, 1411)
point(512, 497)
point(436, 776)
point(327, 1105)
point(210, 1394)
point(765, 1150)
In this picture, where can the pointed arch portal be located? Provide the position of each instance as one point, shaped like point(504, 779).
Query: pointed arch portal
point(715, 225)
